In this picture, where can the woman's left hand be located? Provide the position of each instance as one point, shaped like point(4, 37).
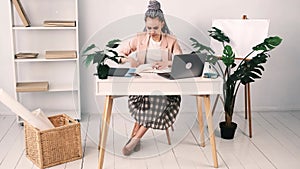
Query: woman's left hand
point(160, 65)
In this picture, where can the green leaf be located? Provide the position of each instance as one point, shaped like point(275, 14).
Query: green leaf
point(200, 47)
point(247, 79)
point(115, 54)
point(205, 51)
point(113, 43)
point(228, 56)
point(254, 75)
point(89, 59)
point(115, 60)
point(218, 35)
point(250, 70)
point(268, 44)
point(99, 57)
point(258, 71)
point(211, 59)
point(89, 48)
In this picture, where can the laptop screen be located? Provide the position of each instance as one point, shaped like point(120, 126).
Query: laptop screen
point(187, 65)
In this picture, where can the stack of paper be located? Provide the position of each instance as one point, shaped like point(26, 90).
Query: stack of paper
point(63, 54)
point(32, 86)
point(59, 23)
point(22, 55)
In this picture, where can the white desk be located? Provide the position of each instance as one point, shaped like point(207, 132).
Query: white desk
point(152, 84)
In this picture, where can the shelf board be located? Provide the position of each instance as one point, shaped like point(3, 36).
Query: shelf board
point(44, 60)
point(62, 89)
point(43, 28)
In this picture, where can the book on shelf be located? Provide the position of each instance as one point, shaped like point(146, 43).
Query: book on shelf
point(26, 55)
point(32, 86)
point(58, 23)
point(61, 54)
point(21, 12)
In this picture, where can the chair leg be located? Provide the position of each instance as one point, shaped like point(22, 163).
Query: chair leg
point(172, 128)
point(168, 136)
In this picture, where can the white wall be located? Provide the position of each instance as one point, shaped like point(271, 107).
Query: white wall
point(277, 90)
point(6, 61)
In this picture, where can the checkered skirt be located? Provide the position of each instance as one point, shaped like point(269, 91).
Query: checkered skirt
point(157, 112)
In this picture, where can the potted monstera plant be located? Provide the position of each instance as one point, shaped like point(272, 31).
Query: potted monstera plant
point(99, 56)
point(234, 74)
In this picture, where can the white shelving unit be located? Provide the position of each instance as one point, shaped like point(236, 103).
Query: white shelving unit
point(63, 95)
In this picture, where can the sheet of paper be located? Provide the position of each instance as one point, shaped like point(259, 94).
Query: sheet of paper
point(21, 111)
point(147, 68)
point(243, 33)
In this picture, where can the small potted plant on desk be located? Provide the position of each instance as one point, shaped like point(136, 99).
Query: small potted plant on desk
point(233, 76)
point(98, 56)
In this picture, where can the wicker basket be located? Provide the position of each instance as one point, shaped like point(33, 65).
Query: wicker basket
point(54, 146)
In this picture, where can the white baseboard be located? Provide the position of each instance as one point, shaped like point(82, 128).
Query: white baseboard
point(270, 109)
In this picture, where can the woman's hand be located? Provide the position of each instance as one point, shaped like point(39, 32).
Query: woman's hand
point(123, 60)
point(133, 62)
point(160, 65)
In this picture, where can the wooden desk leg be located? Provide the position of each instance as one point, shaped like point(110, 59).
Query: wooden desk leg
point(249, 109)
point(200, 120)
point(211, 130)
point(104, 128)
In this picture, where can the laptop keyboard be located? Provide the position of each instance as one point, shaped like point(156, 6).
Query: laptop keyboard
point(166, 75)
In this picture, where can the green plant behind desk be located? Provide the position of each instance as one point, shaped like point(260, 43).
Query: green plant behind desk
point(98, 56)
point(234, 75)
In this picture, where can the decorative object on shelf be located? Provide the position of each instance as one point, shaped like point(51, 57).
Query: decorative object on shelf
point(97, 56)
point(21, 12)
point(234, 75)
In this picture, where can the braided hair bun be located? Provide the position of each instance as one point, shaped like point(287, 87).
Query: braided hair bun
point(154, 5)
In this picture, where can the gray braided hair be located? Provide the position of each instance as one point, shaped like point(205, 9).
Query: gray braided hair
point(154, 11)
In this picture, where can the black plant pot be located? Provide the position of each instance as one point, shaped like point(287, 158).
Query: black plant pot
point(102, 71)
point(227, 132)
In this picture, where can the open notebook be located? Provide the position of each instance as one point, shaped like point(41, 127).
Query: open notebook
point(129, 72)
point(147, 68)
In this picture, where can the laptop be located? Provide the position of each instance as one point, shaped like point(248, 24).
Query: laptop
point(117, 72)
point(122, 72)
point(185, 66)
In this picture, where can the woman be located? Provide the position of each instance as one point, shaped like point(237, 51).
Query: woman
point(156, 46)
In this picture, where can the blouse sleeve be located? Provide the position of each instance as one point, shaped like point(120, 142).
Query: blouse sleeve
point(176, 48)
point(128, 47)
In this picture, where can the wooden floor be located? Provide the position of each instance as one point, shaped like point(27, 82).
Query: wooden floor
point(275, 144)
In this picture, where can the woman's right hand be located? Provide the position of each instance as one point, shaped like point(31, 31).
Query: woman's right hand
point(124, 60)
point(132, 61)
